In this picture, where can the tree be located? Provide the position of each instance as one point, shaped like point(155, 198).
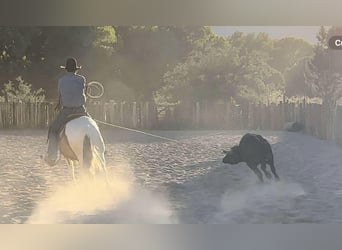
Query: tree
point(36, 53)
point(21, 91)
point(257, 76)
point(14, 54)
point(145, 54)
point(287, 51)
point(203, 76)
point(222, 69)
point(322, 75)
point(324, 78)
point(92, 46)
point(295, 80)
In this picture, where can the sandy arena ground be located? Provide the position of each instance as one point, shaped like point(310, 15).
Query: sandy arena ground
point(155, 181)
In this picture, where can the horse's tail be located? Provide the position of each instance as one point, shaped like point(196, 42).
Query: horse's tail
point(87, 152)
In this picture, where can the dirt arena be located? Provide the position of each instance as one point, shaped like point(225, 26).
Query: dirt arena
point(157, 181)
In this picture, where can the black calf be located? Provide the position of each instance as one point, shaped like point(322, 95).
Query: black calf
point(254, 150)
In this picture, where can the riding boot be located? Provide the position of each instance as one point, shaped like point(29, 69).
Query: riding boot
point(52, 154)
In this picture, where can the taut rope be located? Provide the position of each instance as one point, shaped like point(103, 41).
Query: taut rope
point(136, 131)
point(99, 87)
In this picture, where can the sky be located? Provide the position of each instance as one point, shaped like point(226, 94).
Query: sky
point(306, 32)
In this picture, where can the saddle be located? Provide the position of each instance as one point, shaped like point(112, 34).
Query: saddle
point(63, 142)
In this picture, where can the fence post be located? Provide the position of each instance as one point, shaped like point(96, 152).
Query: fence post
point(197, 115)
point(320, 120)
point(333, 125)
point(134, 115)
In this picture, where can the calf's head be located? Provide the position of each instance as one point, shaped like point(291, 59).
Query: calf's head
point(232, 156)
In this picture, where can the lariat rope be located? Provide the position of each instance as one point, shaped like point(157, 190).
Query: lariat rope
point(136, 131)
point(100, 88)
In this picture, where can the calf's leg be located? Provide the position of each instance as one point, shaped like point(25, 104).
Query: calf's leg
point(263, 168)
point(273, 169)
point(255, 169)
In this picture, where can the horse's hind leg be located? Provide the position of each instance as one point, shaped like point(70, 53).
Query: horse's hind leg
point(103, 166)
point(99, 166)
point(263, 168)
point(72, 169)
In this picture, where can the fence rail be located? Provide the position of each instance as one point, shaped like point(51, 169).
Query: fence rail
point(318, 120)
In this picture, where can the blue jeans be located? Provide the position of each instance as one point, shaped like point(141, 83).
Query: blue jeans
point(56, 127)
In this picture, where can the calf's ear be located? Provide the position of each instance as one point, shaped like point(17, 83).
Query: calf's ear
point(225, 151)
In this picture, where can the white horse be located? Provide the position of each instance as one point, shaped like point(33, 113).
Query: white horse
point(81, 141)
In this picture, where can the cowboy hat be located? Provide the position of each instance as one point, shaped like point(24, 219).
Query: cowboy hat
point(71, 65)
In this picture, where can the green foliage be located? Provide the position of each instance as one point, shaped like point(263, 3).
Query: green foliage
point(202, 76)
point(105, 38)
point(36, 53)
point(287, 51)
point(169, 64)
point(14, 50)
point(21, 91)
point(220, 68)
point(322, 75)
point(295, 80)
point(144, 54)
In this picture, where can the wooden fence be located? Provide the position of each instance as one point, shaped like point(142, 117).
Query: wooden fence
point(319, 121)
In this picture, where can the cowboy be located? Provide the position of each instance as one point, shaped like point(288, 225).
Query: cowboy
point(71, 101)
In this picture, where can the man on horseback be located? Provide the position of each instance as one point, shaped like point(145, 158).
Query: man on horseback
point(72, 98)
